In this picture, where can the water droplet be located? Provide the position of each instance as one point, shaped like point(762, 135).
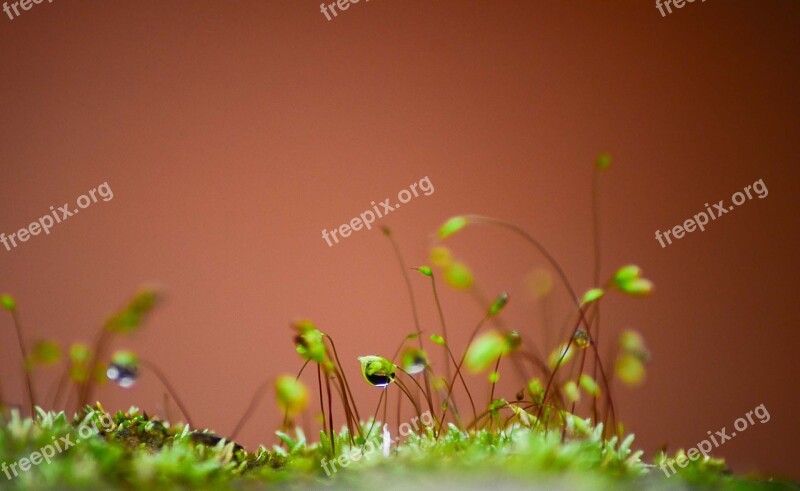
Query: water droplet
point(124, 376)
point(380, 380)
point(414, 361)
point(581, 338)
point(377, 370)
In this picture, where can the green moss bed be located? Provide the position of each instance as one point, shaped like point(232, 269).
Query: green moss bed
point(134, 451)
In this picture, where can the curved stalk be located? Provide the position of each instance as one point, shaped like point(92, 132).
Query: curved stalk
point(458, 370)
point(165, 382)
point(375, 416)
point(257, 395)
point(404, 271)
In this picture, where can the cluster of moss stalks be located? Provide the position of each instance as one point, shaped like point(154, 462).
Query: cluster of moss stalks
point(560, 428)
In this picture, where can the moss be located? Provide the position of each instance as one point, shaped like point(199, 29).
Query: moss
point(138, 451)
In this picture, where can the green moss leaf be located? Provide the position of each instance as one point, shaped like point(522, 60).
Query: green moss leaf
point(125, 359)
point(458, 276)
point(589, 385)
point(130, 318)
point(46, 353)
point(441, 256)
point(485, 350)
point(630, 369)
point(290, 394)
point(627, 273)
point(571, 392)
point(7, 302)
point(498, 305)
point(425, 270)
point(563, 353)
point(79, 353)
point(592, 295)
point(452, 226)
point(309, 342)
point(638, 287)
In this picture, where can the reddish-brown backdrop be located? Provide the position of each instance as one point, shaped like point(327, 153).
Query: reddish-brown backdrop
point(232, 133)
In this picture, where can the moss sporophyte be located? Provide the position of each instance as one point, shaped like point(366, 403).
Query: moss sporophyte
point(559, 416)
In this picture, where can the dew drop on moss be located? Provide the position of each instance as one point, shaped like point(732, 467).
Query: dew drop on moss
point(122, 375)
point(581, 338)
point(380, 380)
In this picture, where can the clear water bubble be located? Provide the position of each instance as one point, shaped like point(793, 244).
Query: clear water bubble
point(380, 380)
point(414, 361)
point(581, 338)
point(124, 376)
point(377, 370)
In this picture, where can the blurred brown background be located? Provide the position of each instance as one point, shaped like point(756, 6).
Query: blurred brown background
point(232, 133)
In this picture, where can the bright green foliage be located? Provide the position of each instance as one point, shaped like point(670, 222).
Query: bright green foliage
point(562, 353)
point(632, 342)
point(291, 394)
point(630, 369)
point(627, 273)
point(628, 279)
point(592, 295)
point(441, 256)
point(485, 350)
point(130, 318)
point(426, 270)
point(458, 276)
point(589, 385)
point(126, 359)
point(7, 302)
point(310, 344)
point(134, 451)
point(45, 353)
point(79, 356)
point(498, 304)
point(526, 444)
point(571, 391)
point(377, 370)
point(702, 470)
point(79, 353)
point(452, 226)
point(633, 354)
point(535, 389)
point(638, 287)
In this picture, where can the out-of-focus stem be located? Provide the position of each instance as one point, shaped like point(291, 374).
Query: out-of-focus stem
point(25, 372)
